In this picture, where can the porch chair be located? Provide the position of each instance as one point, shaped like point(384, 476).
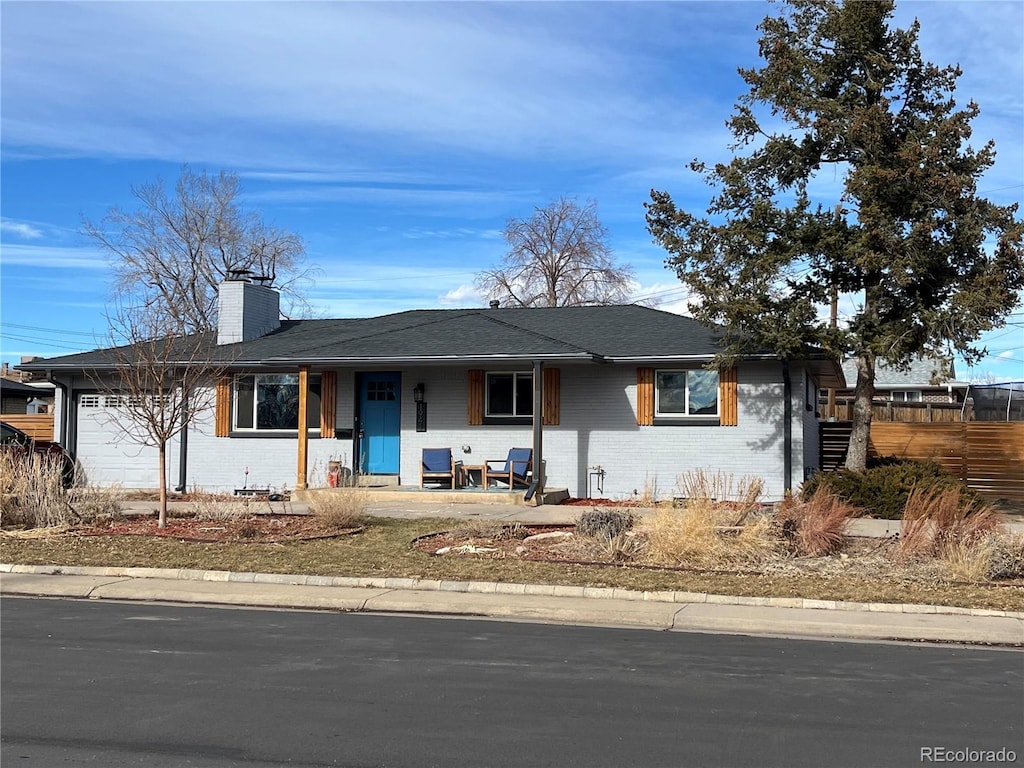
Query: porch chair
point(514, 471)
point(437, 464)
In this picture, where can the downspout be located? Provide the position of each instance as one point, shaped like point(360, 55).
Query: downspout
point(537, 486)
point(67, 434)
point(183, 447)
point(787, 428)
point(65, 400)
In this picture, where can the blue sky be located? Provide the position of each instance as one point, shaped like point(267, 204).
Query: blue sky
point(398, 138)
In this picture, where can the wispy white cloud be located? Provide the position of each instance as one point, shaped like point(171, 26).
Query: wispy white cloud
point(21, 229)
point(53, 257)
point(463, 296)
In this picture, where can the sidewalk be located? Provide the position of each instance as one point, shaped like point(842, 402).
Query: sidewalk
point(549, 514)
point(671, 611)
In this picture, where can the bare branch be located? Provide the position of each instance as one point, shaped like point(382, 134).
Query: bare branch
point(175, 249)
point(558, 257)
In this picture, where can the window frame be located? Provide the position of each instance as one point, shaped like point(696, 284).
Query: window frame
point(685, 416)
point(918, 396)
point(312, 414)
point(516, 417)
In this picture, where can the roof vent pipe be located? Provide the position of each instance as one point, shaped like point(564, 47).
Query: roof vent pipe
point(495, 303)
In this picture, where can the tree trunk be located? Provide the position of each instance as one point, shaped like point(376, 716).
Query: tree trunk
point(162, 521)
point(857, 453)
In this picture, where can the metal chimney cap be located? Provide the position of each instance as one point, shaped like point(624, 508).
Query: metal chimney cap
point(495, 303)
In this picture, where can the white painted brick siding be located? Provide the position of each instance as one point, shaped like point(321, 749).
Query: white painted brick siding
point(598, 427)
point(246, 311)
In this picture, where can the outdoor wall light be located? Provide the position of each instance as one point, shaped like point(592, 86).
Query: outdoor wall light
point(418, 392)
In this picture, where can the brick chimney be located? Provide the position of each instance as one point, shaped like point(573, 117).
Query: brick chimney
point(246, 310)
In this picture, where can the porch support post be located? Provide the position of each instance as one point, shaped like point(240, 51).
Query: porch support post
point(300, 479)
point(537, 486)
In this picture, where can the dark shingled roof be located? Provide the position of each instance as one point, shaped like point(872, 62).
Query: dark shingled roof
point(555, 333)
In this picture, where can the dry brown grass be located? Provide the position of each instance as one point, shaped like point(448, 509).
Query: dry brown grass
point(963, 534)
point(817, 527)
point(383, 550)
point(213, 507)
point(701, 535)
point(339, 508)
point(743, 494)
point(936, 520)
point(32, 495)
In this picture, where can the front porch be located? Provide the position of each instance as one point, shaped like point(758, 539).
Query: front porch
point(413, 493)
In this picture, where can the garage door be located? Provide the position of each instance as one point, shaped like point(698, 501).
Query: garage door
point(108, 455)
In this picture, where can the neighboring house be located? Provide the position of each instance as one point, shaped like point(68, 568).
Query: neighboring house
point(926, 380)
point(19, 398)
point(622, 390)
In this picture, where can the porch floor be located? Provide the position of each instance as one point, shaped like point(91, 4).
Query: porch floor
point(448, 495)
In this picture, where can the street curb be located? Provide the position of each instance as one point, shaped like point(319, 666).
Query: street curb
point(501, 588)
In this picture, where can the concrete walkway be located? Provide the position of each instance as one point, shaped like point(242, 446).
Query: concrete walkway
point(674, 611)
point(382, 506)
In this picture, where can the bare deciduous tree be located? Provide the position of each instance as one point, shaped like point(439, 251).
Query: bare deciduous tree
point(174, 250)
point(558, 257)
point(158, 377)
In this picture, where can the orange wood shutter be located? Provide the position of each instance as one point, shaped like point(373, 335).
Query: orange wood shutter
point(728, 398)
point(474, 397)
point(552, 396)
point(645, 396)
point(222, 419)
point(328, 398)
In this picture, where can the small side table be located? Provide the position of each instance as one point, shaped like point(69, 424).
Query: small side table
point(468, 471)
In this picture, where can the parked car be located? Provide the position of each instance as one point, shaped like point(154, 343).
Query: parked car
point(13, 439)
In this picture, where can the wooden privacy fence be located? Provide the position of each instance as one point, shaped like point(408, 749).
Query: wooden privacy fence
point(915, 412)
point(988, 456)
point(38, 426)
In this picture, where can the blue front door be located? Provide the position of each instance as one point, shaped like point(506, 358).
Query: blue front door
point(380, 417)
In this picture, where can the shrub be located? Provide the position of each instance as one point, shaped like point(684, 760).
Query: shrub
point(883, 488)
point(816, 526)
point(340, 508)
point(604, 523)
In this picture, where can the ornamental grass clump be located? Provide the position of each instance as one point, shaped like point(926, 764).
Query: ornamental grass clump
point(815, 527)
point(742, 495)
point(962, 533)
point(700, 535)
point(214, 508)
point(340, 508)
point(32, 495)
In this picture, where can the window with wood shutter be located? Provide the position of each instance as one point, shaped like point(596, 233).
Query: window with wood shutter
point(222, 425)
point(328, 398)
point(552, 396)
point(475, 397)
point(678, 396)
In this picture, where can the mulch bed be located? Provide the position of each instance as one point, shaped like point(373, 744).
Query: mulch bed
point(256, 529)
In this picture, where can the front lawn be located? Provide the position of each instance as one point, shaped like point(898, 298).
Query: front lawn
point(384, 548)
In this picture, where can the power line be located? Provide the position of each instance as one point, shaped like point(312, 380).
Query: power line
point(49, 330)
point(38, 343)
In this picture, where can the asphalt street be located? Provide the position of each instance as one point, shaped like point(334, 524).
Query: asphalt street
point(116, 684)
